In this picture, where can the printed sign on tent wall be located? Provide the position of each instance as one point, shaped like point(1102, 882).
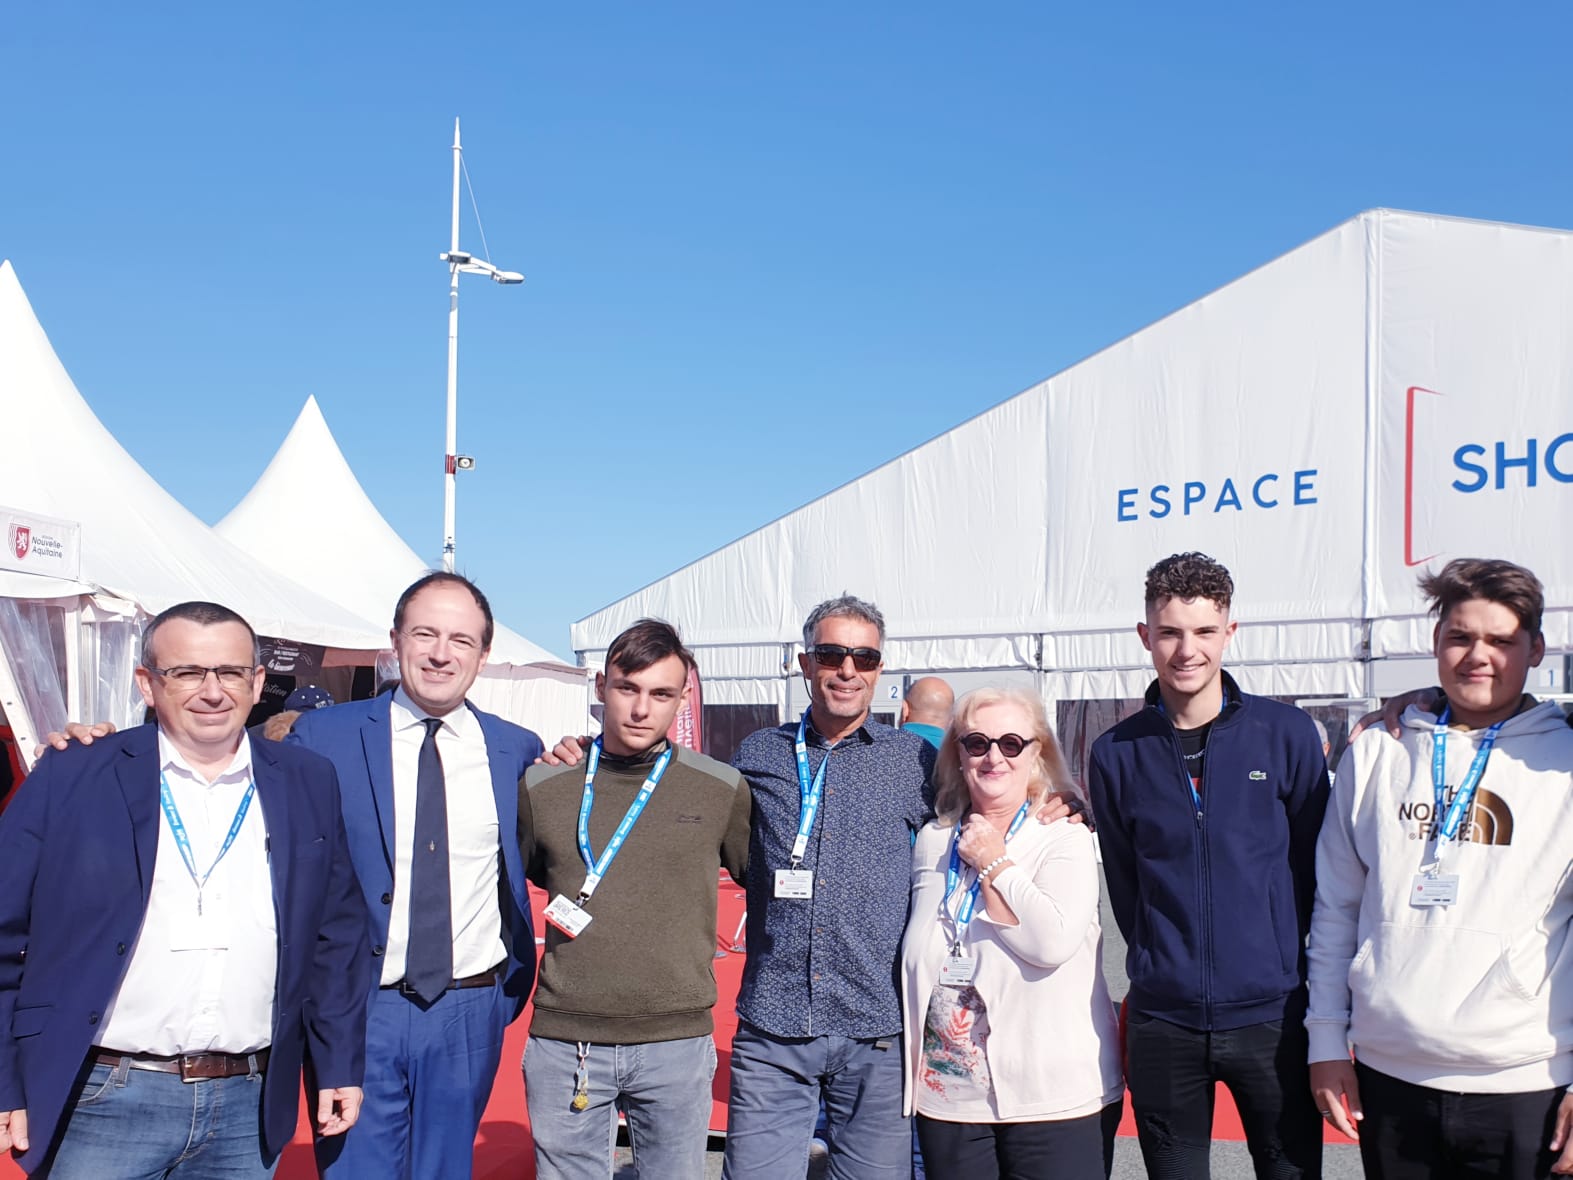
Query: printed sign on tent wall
point(42, 545)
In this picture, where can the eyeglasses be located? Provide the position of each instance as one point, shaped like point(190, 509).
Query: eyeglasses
point(191, 677)
point(977, 744)
point(833, 655)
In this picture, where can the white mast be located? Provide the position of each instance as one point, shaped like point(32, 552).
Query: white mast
point(458, 261)
point(450, 451)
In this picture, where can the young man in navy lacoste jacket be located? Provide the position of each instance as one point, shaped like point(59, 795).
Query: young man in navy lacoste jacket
point(1208, 804)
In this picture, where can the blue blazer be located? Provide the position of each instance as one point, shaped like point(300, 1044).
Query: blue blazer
point(357, 739)
point(77, 848)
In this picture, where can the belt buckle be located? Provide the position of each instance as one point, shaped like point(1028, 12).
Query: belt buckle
point(187, 1062)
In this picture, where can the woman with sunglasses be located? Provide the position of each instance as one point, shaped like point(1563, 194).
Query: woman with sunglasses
point(1012, 1051)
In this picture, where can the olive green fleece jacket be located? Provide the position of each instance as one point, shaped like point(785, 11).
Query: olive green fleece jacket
point(642, 970)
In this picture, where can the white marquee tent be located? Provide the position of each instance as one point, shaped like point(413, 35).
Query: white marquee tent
point(93, 545)
point(1392, 394)
point(356, 559)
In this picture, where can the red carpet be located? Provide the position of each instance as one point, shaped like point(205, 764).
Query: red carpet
point(503, 1150)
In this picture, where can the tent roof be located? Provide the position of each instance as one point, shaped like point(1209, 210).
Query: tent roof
point(1272, 423)
point(137, 542)
point(354, 557)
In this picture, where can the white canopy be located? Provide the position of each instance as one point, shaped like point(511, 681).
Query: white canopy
point(1393, 394)
point(93, 544)
point(356, 559)
point(137, 542)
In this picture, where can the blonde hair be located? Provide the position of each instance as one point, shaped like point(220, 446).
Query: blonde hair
point(1049, 770)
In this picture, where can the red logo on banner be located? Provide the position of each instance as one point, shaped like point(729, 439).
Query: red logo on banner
point(21, 540)
point(688, 726)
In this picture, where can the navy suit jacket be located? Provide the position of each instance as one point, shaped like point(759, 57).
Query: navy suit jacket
point(77, 848)
point(357, 738)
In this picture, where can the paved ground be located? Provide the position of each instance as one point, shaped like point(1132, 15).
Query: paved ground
point(1230, 1161)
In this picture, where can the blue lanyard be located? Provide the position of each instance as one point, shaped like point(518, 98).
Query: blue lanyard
point(183, 842)
point(1464, 797)
point(969, 900)
point(1196, 797)
point(809, 791)
point(597, 868)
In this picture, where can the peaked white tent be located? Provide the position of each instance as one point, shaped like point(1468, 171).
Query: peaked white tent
point(356, 559)
point(1394, 393)
point(93, 545)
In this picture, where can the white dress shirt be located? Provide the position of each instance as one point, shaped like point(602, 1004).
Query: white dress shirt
point(472, 838)
point(202, 984)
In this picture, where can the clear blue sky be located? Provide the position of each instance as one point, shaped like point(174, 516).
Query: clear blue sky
point(768, 246)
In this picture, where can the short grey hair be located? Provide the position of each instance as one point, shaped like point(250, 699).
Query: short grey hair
point(845, 607)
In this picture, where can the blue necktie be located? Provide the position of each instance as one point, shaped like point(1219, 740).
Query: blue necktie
point(428, 960)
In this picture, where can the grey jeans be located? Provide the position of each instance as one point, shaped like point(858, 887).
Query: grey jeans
point(662, 1089)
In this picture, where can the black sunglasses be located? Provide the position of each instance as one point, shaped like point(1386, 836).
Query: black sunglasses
point(833, 655)
point(977, 745)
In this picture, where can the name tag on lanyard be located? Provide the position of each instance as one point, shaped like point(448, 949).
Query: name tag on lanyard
point(795, 883)
point(1432, 887)
point(571, 917)
point(205, 931)
point(957, 971)
point(1438, 890)
point(566, 916)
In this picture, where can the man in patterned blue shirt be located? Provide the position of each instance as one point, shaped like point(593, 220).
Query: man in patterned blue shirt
point(837, 799)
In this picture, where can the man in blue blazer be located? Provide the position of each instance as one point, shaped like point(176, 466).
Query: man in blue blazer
point(179, 924)
point(430, 788)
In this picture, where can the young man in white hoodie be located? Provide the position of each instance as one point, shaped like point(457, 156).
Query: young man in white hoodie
point(1440, 948)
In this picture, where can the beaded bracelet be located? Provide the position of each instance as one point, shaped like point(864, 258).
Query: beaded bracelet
point(991, 866)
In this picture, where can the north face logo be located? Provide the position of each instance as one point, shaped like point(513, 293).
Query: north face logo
point(1490, 819)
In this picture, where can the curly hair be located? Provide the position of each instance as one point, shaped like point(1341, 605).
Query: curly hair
point(1049, 769)
point(1490, 579)
point(1190, 575)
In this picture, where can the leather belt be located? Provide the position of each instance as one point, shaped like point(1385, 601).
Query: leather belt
point(191, 1067)
point(481, 979)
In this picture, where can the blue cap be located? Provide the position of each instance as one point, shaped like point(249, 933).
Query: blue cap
point(308, 696)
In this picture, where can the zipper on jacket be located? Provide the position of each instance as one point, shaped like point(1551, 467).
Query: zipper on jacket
point(1203, 867)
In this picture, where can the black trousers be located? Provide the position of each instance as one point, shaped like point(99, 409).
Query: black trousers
point(1063, 1149)
point(1172, 1073)
point(1415, 1131)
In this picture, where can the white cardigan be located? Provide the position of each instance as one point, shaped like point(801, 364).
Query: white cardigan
point(1053, 1047)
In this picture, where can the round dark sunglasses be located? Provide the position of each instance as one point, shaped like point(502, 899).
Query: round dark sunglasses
point(977, 744)
point(832, 655)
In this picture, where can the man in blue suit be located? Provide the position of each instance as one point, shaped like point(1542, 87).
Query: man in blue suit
point(179, 923)
point(430, 789)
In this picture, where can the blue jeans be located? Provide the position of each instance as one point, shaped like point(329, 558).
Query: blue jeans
point(135, 1124)
point(429, 1073)
point(777, 1084)
point(662, 1088)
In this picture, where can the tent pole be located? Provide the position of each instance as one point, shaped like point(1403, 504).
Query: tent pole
point(450, 454)
point(16, 714)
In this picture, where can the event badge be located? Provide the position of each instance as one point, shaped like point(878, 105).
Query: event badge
point(1441, 889)
point(957, 971)
point(199, 930)
point(795, 883)
point(566, 916)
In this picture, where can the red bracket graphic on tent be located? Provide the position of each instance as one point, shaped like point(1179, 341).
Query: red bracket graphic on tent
point(1409, 475)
